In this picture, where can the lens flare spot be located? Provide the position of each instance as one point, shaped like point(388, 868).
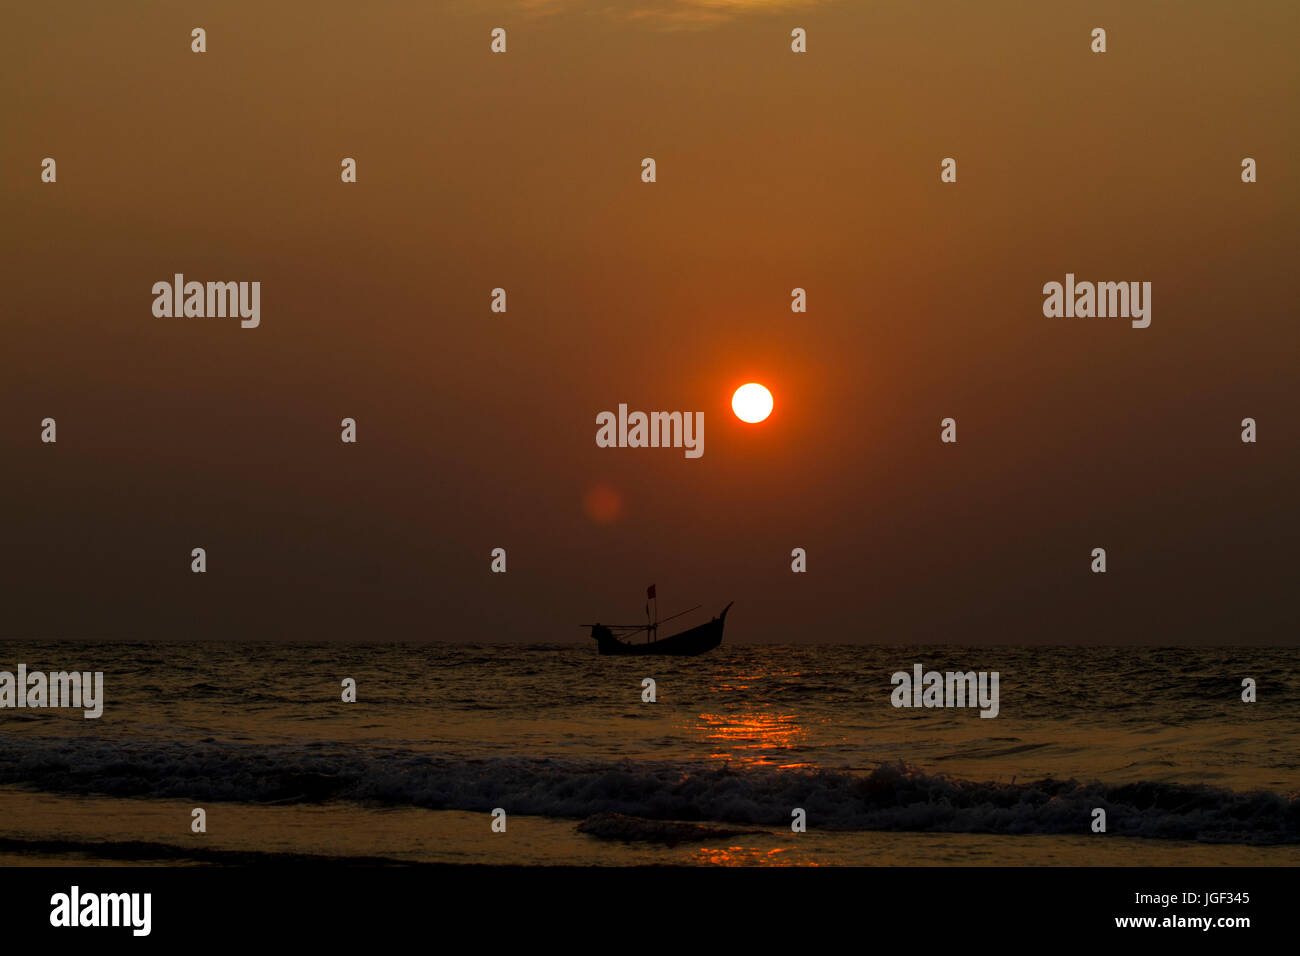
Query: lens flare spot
point(603, 504)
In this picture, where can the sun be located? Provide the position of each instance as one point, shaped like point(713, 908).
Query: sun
point(752, 403)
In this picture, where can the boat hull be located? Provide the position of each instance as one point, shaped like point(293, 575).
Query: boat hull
point(688, 643)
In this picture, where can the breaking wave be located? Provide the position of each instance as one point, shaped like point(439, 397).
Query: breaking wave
point(891, 797)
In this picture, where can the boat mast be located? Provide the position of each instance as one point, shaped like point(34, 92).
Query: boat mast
point(652, 629)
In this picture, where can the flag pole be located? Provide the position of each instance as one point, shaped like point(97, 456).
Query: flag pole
point(652, 627)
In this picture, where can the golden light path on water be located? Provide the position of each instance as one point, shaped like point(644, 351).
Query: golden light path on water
point(753, 739)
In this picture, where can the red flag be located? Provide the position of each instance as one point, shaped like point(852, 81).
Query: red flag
point(650, 592)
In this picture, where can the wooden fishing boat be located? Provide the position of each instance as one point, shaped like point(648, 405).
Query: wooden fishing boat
point(618, 638)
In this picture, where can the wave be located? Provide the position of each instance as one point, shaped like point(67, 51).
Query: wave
point(893, 796)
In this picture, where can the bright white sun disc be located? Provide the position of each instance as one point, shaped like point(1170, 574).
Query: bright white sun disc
point(752, 403)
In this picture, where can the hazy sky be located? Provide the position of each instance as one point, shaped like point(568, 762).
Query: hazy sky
point(775, 170)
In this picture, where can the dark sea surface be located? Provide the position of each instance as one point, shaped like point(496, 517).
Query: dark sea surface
point(711, 772)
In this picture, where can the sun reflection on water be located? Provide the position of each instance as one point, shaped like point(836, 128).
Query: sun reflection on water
point(753, 739)
point(747, 856)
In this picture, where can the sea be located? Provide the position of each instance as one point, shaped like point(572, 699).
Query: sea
point(750, 755)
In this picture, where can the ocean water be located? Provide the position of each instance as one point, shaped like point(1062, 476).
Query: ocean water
point(709, 773)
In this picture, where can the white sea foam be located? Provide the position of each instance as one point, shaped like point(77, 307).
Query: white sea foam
point(891, 797)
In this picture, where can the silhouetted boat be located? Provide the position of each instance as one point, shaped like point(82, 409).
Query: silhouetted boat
point(688, 643)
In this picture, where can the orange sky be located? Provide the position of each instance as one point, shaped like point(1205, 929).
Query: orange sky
point(775, 170)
